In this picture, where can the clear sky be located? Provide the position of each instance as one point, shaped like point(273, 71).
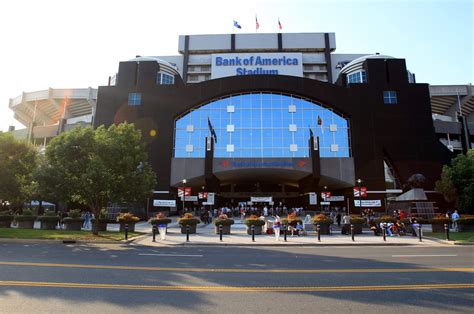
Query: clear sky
point(77, 44)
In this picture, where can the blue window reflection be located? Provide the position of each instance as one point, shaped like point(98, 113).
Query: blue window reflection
point(261, 128)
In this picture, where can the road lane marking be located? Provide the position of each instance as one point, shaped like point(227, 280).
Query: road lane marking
point(426, 255)
point(243, 270)
point(174, 255)
point(235, 288)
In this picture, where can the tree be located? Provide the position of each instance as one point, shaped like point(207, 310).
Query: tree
point(101, 166)
point(457, 182)
point(17, 162)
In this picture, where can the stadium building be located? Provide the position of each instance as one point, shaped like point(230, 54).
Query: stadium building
point(273, 118)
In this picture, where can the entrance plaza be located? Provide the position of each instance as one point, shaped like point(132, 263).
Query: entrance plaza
point(206, 235)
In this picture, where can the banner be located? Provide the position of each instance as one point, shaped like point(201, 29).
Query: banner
point(313, 199)
point(261, 199)
point(363, 191)
point(368, 203)
point(164, 203)
point(325, 195)
point(210, 198)
point(186, 191)
point(202, 195)
point(191, 198)
point(335, 198)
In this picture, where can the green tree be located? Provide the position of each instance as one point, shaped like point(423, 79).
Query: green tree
point(457, 182)
point(17, 162)
point(101, 166)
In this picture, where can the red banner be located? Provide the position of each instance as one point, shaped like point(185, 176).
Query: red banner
point(363, 191)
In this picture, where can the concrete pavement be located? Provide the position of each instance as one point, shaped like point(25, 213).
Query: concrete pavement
point(206, 236)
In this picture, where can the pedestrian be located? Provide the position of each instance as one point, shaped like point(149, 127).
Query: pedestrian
point(338, 219)
point(455, 217)
point(276, 227)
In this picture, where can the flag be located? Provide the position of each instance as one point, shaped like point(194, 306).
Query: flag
point(279, 24)
point(236, 24)
point(211, 129)
point(257, 26)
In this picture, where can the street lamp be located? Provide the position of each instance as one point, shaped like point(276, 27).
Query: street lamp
point(359, 181)
point(184, 192)
point(325, 196)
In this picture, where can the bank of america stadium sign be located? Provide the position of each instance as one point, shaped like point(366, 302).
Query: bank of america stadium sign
point(229, 64)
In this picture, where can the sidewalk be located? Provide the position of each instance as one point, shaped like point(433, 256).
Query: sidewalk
point(206, 236)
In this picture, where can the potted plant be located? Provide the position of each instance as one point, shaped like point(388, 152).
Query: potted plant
point(358, 223)
point(188, 220)
point(466, 223)
point(26, 220)
point(6, 219)
point(161, 222)
point(438, 222)
point(225, 222)
point(73, 221)
point(103, 220)
point(291, 220)
point(324, 223)
point(49, 220)
point(127, 219)
point(256, 222)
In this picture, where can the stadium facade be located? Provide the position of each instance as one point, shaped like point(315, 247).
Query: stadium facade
point(279, 118)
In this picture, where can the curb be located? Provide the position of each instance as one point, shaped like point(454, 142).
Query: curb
point(450, 242)
point(279, 245)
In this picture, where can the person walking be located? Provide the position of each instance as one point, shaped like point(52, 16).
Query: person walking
point(276, 227)
point(455, 217)
point(338, 219)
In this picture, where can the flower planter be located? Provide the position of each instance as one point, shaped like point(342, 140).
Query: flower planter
point(465, 227)
point(324, 228)
point(192, 229)
point(75, 225)
point(26, 224)
point(258, 230)
point(225, 229)
point(131, 226)
point(48, 225)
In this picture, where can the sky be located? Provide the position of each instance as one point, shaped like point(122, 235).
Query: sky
point(78, 44)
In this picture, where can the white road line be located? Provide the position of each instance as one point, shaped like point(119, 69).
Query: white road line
point(173, 255)
point(427, 255)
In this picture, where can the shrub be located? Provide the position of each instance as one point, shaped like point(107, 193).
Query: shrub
point(254, 221)
point(188, 219)
point(127, 217)
point(357, 220)
point(466, 220)
point(385, 219)
point(321, 219)
point(74, 213)
point(26, 216)
point(159, 221)
point(6, 216)
point(291, 221)
point(223, 222)
point(440, 220)
point(49, 216)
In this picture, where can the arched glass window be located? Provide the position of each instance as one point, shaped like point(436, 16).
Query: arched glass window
point(357, 77)
point(261, 125)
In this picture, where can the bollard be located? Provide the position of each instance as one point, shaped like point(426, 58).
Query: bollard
point(220, 233)
point(318, 230)
point(253, 233)
point(384, 233)
point(187, 233)
point(285, 228)
point(352, 232)
point(446, 231)
point(419, 233)
point(126, 231)
point(154, 232)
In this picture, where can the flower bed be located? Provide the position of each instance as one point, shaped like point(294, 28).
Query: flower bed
point(324, 223)
point(188, 220)
point(225, 222)
point(256, 222)
point(127, 220)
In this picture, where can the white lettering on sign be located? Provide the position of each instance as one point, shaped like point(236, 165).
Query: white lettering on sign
point(229, 64)
point(164, 203)
point(368, 203)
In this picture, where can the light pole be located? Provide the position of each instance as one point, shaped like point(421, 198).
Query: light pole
point(184, 193)
point(359, 181)
point(325, 196)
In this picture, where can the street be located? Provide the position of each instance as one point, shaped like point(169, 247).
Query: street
point(118, 278)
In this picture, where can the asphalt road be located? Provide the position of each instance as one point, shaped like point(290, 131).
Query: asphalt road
point(122, 279)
